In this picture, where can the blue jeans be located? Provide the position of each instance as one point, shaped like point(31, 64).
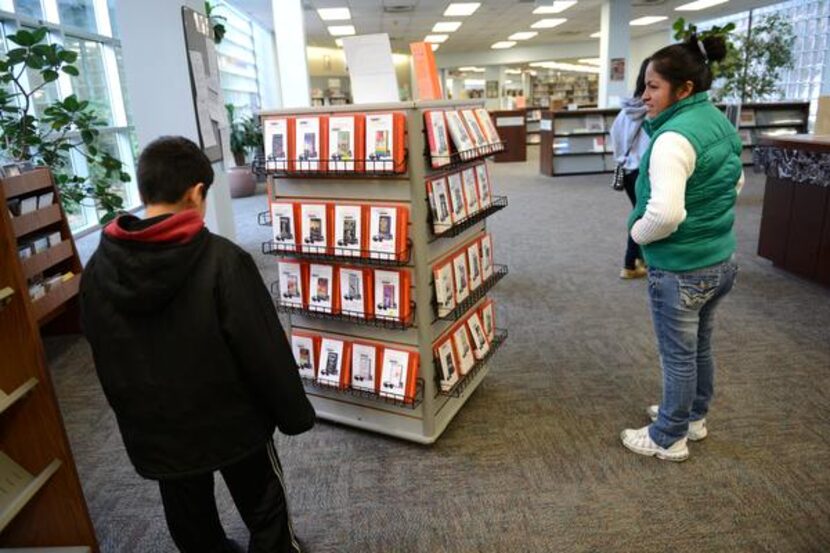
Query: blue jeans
point(683, 311)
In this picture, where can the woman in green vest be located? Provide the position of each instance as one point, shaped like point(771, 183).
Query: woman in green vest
point(689, 180)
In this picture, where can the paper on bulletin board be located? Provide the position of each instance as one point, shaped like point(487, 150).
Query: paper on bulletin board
point(203, 108)
point(371, 68)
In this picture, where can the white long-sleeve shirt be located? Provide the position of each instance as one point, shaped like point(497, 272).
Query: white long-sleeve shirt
point(672, 163)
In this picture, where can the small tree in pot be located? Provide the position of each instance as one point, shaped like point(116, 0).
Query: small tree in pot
point(245, 138)
point(65, 126)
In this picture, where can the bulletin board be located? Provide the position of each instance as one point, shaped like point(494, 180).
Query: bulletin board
point(203, 66)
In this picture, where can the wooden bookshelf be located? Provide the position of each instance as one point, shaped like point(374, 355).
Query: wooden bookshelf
point(42, 505)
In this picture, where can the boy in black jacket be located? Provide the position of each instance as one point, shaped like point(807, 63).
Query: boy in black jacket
point(192, 357)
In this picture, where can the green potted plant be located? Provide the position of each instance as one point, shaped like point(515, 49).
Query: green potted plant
point(65, 126)
point(245, 139)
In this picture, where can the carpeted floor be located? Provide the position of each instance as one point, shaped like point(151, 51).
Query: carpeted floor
point(533, 462)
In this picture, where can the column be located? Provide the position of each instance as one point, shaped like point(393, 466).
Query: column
point(289, 34)
point(167, 110)
point(614, 44)
point(493, 73)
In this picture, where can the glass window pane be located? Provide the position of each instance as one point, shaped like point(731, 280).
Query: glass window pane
point(29, 8)
point(91, 84)
point(116, 32)
point(78, 13)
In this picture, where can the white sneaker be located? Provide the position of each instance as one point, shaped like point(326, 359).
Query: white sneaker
point(640, 442)
point(697, 429)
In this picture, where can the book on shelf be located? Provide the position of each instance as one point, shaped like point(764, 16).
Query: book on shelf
point(356, 291)
point(474, 264)
point(486, 256)
point(349, 235)
point(447, 356)
point(485, 192)
point(594, 123)
point(474, 129)
point(461, 275)
point(392, 295)
point(387, 231)
point(444, 288)
point(334, 363)
point(468, 178)
point(284, 225)
point(439, 203)
point(438, 138)
point(323, 296)
point(310, 143)
point(291, 282)
point(385, 142)
point(458, 207)
point(481, 345)
point(461, 339)
point(747, 118)
point(346, 142)
point(305, 347)
point(278, 143)
point(399, 371)
point(486, 122)
point(314, 227)
point(365, 358)
point(461, 139)
point(488, 319)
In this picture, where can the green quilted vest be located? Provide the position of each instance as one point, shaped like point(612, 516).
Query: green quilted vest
point(706, 237)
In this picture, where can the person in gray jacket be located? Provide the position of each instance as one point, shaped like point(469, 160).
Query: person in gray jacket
point(630, 142)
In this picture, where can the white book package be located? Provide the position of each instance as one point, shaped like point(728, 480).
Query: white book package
point(283, 226)
point(348, 230)
point(303, 348)
point(331, 362)
point(314, 227)
point(320, 288)
point(291, 284)
point(307, 143)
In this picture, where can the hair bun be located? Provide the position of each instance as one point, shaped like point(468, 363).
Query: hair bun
point(715, 46)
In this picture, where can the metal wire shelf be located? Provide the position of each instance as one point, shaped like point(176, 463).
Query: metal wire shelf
point(498, 203)
point(328, 254)
point(467, 379)
point(499, 272)
point(347, 316)
point(290, 168)
point(461, 158)
point(410, 402)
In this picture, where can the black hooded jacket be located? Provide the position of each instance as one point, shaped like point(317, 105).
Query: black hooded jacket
point(188, 347)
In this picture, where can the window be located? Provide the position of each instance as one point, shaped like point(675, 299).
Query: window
point(77, 13)
point(237, 62)
point(811, 26)
point(85, 27)
point(91, 85)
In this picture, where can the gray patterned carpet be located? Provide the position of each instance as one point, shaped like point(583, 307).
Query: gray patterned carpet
point(533, 463)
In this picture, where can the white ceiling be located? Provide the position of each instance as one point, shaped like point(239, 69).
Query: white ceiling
point(495, 20)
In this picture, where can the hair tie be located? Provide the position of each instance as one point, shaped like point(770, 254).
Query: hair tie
point(702, 48)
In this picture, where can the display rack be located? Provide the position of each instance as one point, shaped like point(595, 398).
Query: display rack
point(499, 272)
point(461, 385)
point(578, 142)
point(41, 500)
point(421, 419)
point(322, 254)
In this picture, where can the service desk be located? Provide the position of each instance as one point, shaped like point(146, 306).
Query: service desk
point(795, 222)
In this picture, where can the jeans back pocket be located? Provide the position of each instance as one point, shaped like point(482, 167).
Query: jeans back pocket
point(697, 289)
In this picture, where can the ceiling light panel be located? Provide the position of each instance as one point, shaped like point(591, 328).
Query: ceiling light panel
point(341, 30)
point(334, 14)
point(699, 5)
point(436, 38)
point(548, 23)
point(590, 61)
point(435, 46)
point(461, 9)
point(648, 20)
point(596, 34)
point(524, 35)
point(558, 7)
point(503, 44)
point(446, 26)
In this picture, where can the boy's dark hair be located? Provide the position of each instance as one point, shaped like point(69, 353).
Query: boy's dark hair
point(168, 166)
point(641, 79)
point(689, 61)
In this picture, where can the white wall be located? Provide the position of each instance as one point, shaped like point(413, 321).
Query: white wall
point(643, 47)
point(158, 80)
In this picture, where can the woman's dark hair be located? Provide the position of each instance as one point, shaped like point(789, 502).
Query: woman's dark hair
point(641, 79)
point(689, 61)
point(170, 165)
